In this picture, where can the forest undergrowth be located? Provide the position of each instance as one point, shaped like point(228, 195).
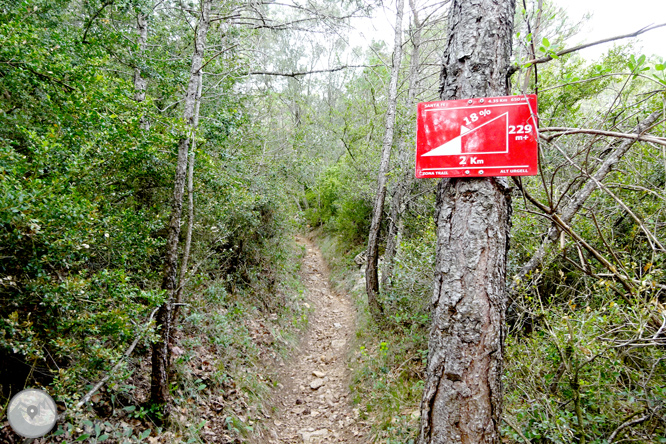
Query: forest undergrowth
point(225, 356)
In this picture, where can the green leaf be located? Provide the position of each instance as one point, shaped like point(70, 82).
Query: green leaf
point(659, 67)
point(83, 437)
point(659, 79)
point(545, 42)
point(104, 437)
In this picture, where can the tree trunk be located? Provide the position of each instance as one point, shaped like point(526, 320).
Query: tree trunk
point(532, 47)
point(182, 281)
point(159, 384)
point(395, 224)
point(371, 274)
point(142, 33)
point(140, 83)
point(463, 393)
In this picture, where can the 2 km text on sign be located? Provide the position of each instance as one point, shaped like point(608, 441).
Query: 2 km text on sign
point(490, 136)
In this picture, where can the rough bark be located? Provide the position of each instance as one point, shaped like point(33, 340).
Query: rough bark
point(463, 392)
point(371, 272)
point(398, 207)
point(159, 383)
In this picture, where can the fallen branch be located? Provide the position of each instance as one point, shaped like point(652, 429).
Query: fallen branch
point(624, 280)
point(127, 353)
point(626, 424)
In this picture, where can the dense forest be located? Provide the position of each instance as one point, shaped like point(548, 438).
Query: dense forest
point(158, 158)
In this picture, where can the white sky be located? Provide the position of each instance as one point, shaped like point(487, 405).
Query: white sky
point(616, 17)
point(609, 18)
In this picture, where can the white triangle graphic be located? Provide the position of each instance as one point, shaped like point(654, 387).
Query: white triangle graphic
point(454, 146)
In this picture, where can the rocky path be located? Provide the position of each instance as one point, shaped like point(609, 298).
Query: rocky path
point(313, 397)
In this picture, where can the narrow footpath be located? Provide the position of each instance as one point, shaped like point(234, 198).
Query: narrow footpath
point(313, 398)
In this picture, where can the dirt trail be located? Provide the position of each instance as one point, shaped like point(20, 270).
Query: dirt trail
point(313, 398)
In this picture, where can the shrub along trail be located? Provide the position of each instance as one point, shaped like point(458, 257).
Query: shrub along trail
point(313, 399)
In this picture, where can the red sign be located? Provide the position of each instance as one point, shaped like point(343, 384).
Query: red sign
point(490, 136)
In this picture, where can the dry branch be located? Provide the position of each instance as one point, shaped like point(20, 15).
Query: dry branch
point(598, 42)
point(563, 131)
point(305, 73)
point(577, 201)
point(126, 355)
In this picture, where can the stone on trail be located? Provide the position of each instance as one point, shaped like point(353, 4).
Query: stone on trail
point(319, 374)
point(313, 437)
point(316, 383)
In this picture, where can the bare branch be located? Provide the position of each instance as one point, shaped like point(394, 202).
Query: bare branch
point(583, 194)
point(217, 55)
point(37, 73)
point(598, 42)
point(92, 19)
point(304, 73)
point(603, 76)
point(562, 131)
point(517, 430)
